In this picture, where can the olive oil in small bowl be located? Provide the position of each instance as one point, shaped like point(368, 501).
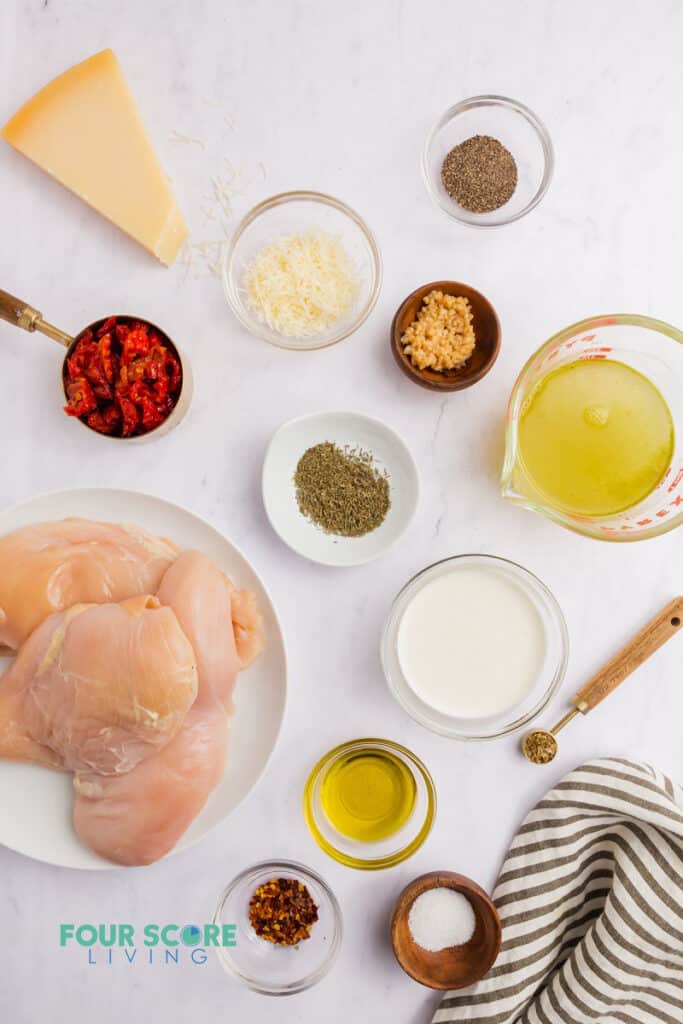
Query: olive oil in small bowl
point(369, 803)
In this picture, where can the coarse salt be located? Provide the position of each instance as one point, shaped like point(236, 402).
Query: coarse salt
point(440, 918)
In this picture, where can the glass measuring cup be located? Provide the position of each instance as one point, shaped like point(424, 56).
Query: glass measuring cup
point(654, 349)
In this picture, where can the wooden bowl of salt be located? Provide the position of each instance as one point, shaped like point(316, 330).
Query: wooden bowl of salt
point(445, 931)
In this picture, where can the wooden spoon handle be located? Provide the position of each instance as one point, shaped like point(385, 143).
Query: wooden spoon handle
point(16, 311)
point(650, 638)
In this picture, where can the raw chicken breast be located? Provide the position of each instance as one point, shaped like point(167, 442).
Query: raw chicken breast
point(98, 687)
point(138, 818)
point(247, 622)
point(201, 597)
point(48, 567)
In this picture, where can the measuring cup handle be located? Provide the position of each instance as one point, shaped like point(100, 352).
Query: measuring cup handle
point(646, 642)
point(15, 311)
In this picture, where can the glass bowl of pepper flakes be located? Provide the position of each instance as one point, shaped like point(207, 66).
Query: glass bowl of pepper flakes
point(288, 927)
point(487, 161)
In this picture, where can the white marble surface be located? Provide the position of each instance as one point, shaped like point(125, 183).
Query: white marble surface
point(339, 97)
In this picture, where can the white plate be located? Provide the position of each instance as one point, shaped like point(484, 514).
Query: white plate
point(390, 453)
point(35, 803)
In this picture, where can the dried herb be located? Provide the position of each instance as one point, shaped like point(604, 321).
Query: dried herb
point(480, 174)
point(341, 490)
point(540, 747)
point(282, 911)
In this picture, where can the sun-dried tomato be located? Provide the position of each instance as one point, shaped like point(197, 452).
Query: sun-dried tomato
point(161, 395)
point(126, 381)
point(173, 372)
point(137, 343)
point(81, 355)
point(107, 358)
point(130, 416)
point(106, 326)
point(81, 399)
point(97, 377)
point(106, 422)
point(150, 413)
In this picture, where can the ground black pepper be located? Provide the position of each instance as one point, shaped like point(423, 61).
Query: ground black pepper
point(341, 490)
point(480, 174)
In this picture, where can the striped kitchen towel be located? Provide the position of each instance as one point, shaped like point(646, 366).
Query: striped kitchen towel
point(591, 901)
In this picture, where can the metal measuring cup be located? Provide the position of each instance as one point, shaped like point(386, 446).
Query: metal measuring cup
point(17, 312)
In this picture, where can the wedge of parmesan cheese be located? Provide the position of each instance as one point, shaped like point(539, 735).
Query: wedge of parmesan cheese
point(84, 129)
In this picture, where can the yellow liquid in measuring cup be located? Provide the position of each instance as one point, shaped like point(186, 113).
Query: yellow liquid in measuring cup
point(595, 437)
point(368, 796)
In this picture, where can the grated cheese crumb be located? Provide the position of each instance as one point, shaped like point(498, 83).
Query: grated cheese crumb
point(301, 284)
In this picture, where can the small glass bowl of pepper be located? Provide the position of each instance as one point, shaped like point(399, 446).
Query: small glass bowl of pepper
point(288, 927)
point(487, 161)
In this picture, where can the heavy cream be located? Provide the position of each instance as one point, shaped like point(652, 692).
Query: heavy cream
point(471, 642)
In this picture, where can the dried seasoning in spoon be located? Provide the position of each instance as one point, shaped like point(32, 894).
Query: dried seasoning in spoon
point(342, 490)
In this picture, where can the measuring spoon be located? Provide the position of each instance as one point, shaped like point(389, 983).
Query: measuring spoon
point(540, 745)
point(17, 312)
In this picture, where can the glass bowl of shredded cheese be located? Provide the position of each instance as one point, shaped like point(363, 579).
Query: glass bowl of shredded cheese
point(302, 271)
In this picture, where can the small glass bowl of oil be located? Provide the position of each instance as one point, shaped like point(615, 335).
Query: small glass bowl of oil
point(369, 803)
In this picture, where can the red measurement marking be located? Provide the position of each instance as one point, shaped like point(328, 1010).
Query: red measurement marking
point(644, 522)
point(662, 512)
point(678, 500)
point(676, 480)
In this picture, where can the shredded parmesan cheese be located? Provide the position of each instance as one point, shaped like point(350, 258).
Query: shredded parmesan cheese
point(301, 284)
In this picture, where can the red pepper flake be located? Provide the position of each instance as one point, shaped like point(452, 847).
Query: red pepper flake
point(124, 380)
point(282, 911)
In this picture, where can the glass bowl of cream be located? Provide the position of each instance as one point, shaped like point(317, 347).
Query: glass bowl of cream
point(475, 647)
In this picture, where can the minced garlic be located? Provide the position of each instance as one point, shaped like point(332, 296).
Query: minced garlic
point(301, 284)
point(441, 337)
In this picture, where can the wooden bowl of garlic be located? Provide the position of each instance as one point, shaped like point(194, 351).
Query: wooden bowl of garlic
point(445, 336)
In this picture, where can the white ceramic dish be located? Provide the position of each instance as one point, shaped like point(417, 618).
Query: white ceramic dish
point(343, 428)
point(37, 803)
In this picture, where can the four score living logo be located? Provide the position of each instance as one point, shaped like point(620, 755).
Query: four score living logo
point(107, 944)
